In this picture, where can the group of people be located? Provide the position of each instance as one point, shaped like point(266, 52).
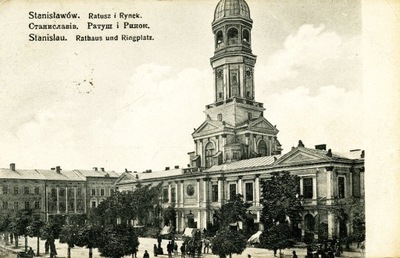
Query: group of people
point(329, 250)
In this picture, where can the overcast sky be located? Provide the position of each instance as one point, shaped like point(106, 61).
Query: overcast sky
point(134, 105)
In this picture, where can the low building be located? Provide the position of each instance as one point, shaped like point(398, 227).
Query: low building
point(53, 191)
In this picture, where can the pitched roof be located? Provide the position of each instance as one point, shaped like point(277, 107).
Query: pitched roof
point(49, 174)
point(97, 173)
point(244, 164)
point(128, 177)
point(6, 173)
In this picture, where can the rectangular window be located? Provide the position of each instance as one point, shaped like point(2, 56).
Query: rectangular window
point(27, 206)
point(37, 190)
point(341, 187)
point(16, 205)
point(165, 195)
point(111, 191)
point(15, 190)
point(232, 191)
point(26, 190)
point(37, 205)
point(93, 204)
point(5, 190)
point(102, 192)
point(214, 190)
point(93, 191)
point(308, 188)
point(249, 192)
point(5, 205)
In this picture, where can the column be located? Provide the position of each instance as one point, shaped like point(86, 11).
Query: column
point(66, 199)
point(350, 184)
point(240, 190)
point(176, 192)
point(198, 192)
point(205, 192)
point(301, 186)
point(169, 193)
point(329, 171)
point(330, 224)
point(181, 190)
point(269, 148)
point(205, 219)
point(248, 143)
point(201, 153)
point(220, 190)
point(84, 190)
point(314, 185)
point(75, 203)
point(255, 143)
point(58, 200)
point(257, 190)
point(223, 145)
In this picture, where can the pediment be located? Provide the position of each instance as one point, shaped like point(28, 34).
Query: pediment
point(300, 155)
point(209, 127)
point(124, 177)
point(262, 124)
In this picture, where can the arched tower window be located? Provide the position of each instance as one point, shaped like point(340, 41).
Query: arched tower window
point(262, 148)
point(220, 39)
point(246, 36)
point(233, 36)
point(210, 151)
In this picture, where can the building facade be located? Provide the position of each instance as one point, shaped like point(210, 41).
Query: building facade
point(236, 148)
point(53, 191)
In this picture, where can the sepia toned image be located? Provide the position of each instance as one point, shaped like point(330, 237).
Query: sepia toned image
point(182, 128)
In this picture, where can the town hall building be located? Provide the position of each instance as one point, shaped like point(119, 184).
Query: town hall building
point(236, 147)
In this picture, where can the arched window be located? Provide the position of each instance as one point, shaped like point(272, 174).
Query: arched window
point(219, 39)
point(262, 148)
point(246, 36)
point(210, 151)
point(233, 36)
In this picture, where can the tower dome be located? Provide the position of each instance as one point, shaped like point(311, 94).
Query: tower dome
point(231, 8)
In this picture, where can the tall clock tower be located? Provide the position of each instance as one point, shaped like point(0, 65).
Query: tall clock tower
point(235, 127)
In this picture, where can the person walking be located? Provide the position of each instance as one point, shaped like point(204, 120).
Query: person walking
point(155, 250)
point(146, 254)
point(183, 250)
point(30, 252)
point(294, 254)
point(170, 249)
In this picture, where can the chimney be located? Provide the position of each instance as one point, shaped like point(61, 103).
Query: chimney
point(12, 166)
point(58, 169)
point(362, 154)
point(320, 147)
point(95, 168)
point(53, 168)
point(329, 154)
point(176, 167)
point(166, 168)
point(102, 169)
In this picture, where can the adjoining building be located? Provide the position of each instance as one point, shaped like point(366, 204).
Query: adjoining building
point(236, 147)
point(53, 191)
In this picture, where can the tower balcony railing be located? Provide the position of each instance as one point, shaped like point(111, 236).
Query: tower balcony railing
point(237, 100)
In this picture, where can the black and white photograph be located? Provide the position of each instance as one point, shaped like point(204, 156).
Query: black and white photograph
point(199, 128)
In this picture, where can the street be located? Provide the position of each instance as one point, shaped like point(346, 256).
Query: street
point(147, 244)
